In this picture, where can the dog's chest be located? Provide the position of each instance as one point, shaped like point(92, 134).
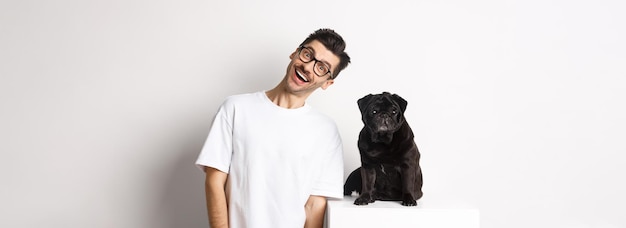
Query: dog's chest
point(381, 153)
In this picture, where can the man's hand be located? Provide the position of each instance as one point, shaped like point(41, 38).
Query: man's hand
point(315, 209)
point(217, 206)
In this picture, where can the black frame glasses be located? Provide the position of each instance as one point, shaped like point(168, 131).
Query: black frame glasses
point(307, 59)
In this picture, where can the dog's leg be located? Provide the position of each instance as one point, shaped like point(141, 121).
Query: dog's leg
point(419, 182)
point(409, 182)
point(368, 174)
point(353, 183)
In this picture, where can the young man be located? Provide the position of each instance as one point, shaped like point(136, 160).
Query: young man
point(270, 159)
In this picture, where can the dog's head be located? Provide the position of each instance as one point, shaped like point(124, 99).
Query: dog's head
point(382, 114)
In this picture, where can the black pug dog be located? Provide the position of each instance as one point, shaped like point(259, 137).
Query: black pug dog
point(390, 167)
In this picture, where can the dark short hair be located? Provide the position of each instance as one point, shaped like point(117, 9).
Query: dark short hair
point(333, 42)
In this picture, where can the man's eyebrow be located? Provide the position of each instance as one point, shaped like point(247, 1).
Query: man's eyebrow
point(330, 66)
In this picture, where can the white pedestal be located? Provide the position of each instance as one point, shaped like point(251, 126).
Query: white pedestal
point(382, 214)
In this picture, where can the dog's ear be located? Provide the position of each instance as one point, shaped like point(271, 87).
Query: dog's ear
point(364, 101)
point(401, 101)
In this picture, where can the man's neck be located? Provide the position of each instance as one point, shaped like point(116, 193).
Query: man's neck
point(285, 99)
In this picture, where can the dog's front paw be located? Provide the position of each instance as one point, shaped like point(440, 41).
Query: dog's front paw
point(364, 199)
point(408, 200)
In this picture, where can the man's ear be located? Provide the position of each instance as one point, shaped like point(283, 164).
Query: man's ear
point(293, 54)
point(327, 83)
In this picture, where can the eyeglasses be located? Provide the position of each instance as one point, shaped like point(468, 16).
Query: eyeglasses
point(320, 68)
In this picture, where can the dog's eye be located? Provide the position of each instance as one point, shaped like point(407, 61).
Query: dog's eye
point(374, 111)
point(394, 111)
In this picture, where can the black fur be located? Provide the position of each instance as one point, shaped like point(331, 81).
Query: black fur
point(390, 167)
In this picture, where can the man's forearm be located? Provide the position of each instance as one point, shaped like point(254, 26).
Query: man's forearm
point(217, 206)
point(315, 209)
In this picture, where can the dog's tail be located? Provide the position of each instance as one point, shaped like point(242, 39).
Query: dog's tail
point(353, 183)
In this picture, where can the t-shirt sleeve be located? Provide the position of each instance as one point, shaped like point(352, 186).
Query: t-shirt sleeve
point(330, 180)
point(218, 147)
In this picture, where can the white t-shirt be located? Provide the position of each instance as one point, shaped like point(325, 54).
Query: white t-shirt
point(275, 159)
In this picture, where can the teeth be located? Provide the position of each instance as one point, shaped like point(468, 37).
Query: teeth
point(301, 76)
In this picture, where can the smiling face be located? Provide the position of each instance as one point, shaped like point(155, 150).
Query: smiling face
point(301, 78)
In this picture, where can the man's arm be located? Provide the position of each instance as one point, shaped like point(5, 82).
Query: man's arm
point(217, 206)
point(315, 208)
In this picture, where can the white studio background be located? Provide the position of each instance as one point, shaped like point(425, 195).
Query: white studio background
point(517, 106)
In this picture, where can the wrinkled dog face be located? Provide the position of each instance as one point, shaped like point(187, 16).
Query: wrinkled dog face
point(382, 114)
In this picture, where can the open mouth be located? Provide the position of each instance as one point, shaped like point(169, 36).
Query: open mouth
point(301, 76)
